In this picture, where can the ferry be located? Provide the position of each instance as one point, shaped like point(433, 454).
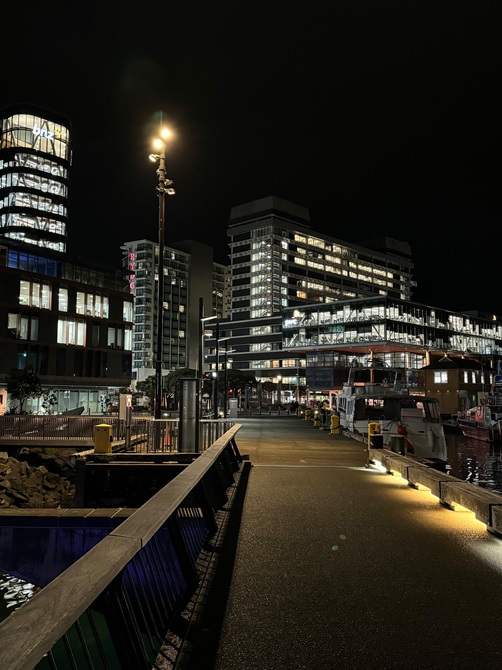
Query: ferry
point(377, 393)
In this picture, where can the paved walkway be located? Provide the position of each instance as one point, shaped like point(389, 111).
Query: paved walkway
point(340, 566)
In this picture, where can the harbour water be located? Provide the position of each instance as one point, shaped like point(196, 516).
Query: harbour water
point(479, 463)
point(474, 461)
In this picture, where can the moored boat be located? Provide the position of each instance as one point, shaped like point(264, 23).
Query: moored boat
point(484, 421)
point(378, 394)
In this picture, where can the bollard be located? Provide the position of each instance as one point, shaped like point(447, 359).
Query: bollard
point(308, 413)
point(374, 432)
point(335, 424)
point(397, 444)
point(317, 419)
point(103, 438)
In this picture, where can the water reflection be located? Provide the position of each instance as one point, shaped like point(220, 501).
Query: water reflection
point(13, 593)
point(476, 462)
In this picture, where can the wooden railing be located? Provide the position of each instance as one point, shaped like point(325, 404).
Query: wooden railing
point(113, 607)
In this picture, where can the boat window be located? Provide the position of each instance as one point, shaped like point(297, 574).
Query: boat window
point(431, 409)
point(370, 409)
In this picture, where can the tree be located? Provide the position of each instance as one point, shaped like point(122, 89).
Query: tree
point(147, 387)
point(49, 401)
point(172, 384)
point(22, 385)
point(237, 379)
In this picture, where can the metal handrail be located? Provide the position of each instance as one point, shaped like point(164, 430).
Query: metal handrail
point(113, 606)
point(79, 430)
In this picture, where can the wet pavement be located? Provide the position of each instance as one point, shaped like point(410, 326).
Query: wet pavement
point(327, 563)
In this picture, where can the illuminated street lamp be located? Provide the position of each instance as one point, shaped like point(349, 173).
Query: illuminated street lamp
point(279, 389)
point(164, 186)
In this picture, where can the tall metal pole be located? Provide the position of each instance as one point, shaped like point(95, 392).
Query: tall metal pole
point(161, 172)
point(201, 337)
point(225, 394)
point(164, 186)
point(215, 391)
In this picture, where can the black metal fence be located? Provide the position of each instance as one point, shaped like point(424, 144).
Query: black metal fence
point(79, 431)
point(113, 607)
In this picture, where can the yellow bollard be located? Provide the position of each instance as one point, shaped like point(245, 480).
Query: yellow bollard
point(374, 429)
point(317, 418)
point(335, 424)
point(103, 438)
point(308, 413)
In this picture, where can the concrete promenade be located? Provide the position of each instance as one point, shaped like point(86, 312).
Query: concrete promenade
point(335, 565)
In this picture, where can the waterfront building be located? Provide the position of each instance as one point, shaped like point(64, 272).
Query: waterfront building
point(35, 159)
point(191, 279)
point(418, 338)
point(276, 262)
point(70, 321)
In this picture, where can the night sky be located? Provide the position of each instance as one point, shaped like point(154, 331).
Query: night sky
point(382, 118)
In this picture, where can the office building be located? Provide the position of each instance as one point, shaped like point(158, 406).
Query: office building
point(35, 159)
point(71, 322)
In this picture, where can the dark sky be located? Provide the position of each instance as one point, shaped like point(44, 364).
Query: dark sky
point(380, 117)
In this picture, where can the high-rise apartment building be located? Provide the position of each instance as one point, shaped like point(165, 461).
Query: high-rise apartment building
point(35, 159)
point(194, 286)
point(277, 261)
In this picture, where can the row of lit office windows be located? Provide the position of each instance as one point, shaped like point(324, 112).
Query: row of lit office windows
point(38, 294)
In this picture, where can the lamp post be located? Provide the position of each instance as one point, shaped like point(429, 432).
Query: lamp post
point(164, 186)
point(279, 389)
point(202, 333)
point(215, 387)
point(217, 375)
point(225, 396)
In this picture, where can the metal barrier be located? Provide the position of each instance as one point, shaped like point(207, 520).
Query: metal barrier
point(34, 428)
point(59, 430)
point(113, 607)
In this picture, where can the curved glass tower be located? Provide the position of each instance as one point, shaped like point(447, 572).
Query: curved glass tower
point(35, 158)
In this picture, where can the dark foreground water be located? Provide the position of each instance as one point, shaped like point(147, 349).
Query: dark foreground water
point(469, 460)
point(474, 461)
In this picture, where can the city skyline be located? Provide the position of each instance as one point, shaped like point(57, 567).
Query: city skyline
point(380, 121)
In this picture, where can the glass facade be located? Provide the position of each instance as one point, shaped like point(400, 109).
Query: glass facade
point(395, 323)
point(142, 262)
point(35, 158)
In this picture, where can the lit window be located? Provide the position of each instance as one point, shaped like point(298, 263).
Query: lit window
point(63, 299)
point(441, 377)
point(34, 294)
point(71, 331)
